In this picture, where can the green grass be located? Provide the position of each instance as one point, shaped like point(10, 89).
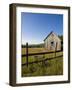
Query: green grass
point(33, 58)
point(50, 67)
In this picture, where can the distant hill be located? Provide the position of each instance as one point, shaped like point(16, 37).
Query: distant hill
point(34, 45)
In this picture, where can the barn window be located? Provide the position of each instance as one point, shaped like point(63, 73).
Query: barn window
point(52, 43)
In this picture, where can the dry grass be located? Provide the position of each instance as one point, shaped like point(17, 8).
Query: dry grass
point(34, 50)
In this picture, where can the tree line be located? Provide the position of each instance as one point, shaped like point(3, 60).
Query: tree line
point(34, 45)
point(61, 37)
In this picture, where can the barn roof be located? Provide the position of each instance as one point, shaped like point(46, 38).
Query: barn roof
point(50, 34)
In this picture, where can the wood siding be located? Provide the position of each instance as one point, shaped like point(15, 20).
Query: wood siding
point(50, 42)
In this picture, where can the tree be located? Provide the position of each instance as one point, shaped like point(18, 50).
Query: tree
point(61, 37)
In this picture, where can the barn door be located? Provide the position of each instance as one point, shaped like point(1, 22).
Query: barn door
point(52, 46)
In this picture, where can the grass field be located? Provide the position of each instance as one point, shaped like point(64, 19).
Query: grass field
point(33, 50)
point(50, 67)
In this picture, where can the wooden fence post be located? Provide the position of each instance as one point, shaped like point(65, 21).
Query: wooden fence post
point(55, 49)
point(27, 54)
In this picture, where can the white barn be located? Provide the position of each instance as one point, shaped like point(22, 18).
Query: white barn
point(52, 42)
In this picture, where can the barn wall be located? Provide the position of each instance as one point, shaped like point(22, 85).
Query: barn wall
point(55, 39)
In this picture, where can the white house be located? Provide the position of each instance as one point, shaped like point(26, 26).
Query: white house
point(52, 42)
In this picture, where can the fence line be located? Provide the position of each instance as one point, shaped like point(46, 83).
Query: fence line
point(41, 53)
point(27, 54)
point(31, 54)
point(41, 60)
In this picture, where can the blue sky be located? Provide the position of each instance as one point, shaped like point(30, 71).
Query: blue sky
point(35, 26)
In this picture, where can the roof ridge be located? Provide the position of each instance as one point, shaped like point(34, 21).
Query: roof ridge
point(50, 34)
